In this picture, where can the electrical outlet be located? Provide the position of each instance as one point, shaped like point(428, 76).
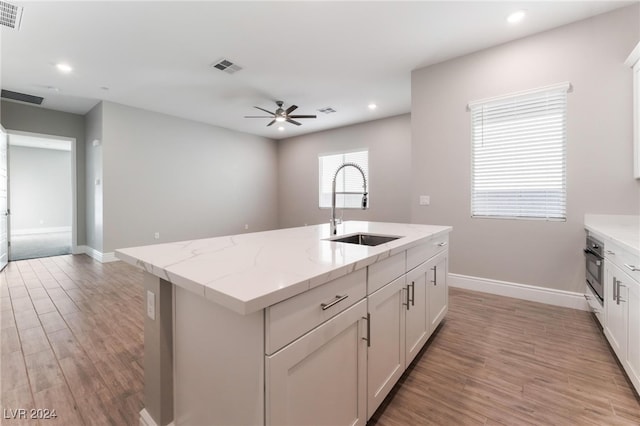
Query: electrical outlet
point(425, 200)
point(151, 305)
point(156, 236)
point(246, 226)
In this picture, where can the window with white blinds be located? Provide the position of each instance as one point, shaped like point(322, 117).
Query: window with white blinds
point(349, 179)
point(519, 155)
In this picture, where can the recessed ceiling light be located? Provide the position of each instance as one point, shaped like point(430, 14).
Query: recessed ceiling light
point(65, 68)
point(516, 17)
point(281, 128)
point(373, 106)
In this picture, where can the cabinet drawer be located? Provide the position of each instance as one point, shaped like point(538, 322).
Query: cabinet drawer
point(624, 259)
point(385, 271)
point(594, 303)
point(291, 318)
point(417, 255)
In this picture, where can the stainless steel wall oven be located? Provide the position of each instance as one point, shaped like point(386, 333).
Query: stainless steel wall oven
point(594, 259)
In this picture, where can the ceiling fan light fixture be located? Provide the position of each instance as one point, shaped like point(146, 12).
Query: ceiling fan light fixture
point(280, 119)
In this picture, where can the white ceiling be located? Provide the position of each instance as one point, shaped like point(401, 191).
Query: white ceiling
point(156, 55)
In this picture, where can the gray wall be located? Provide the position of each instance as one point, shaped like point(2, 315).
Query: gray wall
point(40, 188)
point(590, 55)
point(93, 162)
point(27, 118)
point(181, 178)
point(389, 143)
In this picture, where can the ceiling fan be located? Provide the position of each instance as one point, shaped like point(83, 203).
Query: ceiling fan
point(280, 115)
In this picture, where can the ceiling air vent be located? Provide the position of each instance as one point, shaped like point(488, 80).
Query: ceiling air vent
point(327, 110)
point(22, 97)
point(226, 66)
point(10, 15)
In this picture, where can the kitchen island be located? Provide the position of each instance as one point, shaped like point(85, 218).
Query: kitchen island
point(283, 326)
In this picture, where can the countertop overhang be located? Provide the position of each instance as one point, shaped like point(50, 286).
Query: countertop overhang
point(623, 229)
point(249, 272)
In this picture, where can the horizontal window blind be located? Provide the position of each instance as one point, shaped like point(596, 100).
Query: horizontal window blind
point(519, 155)
point(349, 179)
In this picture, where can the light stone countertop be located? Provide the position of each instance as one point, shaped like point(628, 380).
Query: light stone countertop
point(622, 229)
point(249, 272)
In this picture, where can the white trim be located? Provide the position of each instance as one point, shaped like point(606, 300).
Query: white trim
point(97, 255)
point(559, 86)
point(532, 293)
point(74, 179)
point(147, 420)
point(634, 56)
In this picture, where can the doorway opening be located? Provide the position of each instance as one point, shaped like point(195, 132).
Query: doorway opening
point(41, 196)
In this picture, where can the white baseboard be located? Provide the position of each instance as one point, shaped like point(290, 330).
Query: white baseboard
point(99, 256)
point(532, 293)
point(147, 420)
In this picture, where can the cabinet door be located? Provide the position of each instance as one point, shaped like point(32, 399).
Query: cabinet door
point(416, 311)
point(633, 344)
point(385, 363)
point(320, 379)
point(616, 311)
point(438, 293)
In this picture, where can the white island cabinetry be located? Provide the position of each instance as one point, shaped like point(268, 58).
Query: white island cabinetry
point(403, 313)
point(285, 327)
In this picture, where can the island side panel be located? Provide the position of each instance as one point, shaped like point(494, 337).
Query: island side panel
point(219, 363)
point(158, 352)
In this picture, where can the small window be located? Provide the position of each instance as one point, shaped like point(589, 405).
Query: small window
point(349, 179)
point(518, 155)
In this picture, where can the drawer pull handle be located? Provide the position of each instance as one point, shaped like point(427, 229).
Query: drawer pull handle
point(368, 338)
point(442, 244)
point(632, 267)
point(611, 252)
point(337, 300)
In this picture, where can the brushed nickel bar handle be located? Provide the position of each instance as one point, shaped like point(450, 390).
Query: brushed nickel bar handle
point(407, 304)
point(413, 293)
point(338, 299)
point(632, 267)
point(368, 338)
point(435, 275)
point(615, 290)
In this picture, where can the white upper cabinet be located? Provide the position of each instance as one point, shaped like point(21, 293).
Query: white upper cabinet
point(634, 61)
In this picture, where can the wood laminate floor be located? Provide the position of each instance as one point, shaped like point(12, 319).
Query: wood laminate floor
point(72, 340)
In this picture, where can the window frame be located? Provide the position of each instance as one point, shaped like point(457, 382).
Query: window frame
point(562, 90)
point(343, 153)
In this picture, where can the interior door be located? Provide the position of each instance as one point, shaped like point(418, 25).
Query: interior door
point(4, 212)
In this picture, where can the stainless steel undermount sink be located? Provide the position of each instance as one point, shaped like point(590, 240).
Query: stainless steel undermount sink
point(364, 239)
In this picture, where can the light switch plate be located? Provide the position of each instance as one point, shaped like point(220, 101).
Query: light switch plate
point(425, 200)
point(151, 305)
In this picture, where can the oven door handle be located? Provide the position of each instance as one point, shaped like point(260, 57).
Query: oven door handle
point(593, 255)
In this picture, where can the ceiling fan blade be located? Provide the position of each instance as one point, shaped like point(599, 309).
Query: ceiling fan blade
point(272, 121)
point(293, 122)
point(291, 109)
point(262, 109)
point(258, 116)
point(302, 116)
